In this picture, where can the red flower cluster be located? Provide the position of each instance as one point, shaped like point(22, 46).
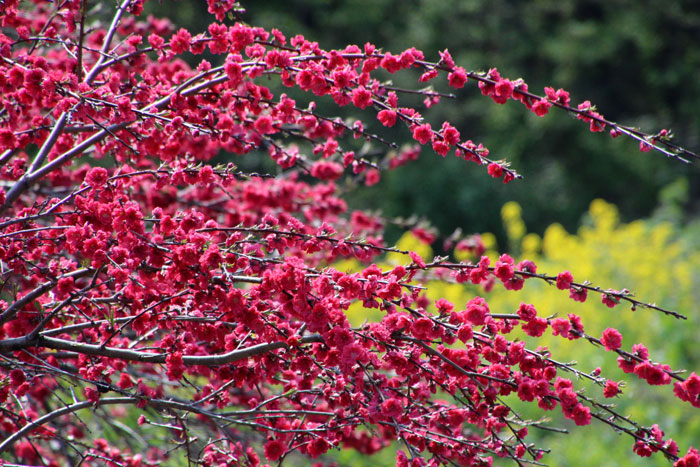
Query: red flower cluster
point(155, 280)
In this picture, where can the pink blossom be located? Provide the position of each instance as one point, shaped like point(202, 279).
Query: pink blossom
point(541, 107)
point(612, 339)
point(387, 117)
point(495, 170)
point(423, 133)
point(561, 327)
point(457, 78)
point(527, 312)
point(274, 450)
point(97, 177)
point(611, 389)
point(361, 97)
point(564, 280)
point(372, 177)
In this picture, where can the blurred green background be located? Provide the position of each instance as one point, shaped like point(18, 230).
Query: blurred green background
point(638, 61)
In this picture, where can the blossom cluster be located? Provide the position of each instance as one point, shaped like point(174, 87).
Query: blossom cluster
point(139, 276)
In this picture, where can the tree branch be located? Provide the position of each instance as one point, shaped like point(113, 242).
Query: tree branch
point(145, 357)
point(12, 310)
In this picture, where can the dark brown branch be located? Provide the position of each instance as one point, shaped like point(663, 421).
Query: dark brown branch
point(145, 357)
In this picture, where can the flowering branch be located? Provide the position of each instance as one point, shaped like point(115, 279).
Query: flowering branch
point(131, 263)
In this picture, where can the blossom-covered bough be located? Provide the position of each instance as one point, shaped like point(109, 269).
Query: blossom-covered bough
point(157, 305)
